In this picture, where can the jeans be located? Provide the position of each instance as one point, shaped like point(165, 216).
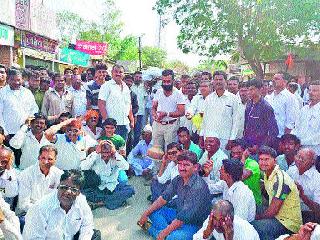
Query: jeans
point(157, 189)
point(96, 235)
point(269, 229)
point(137, 129)
point(162, 218)
point(122, 130)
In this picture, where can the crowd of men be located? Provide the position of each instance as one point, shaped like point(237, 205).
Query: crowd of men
point(224, 158)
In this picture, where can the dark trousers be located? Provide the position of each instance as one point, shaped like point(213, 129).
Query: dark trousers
point(96, 235)
point(17, 152)
point(157, 189)
point(137, 129)
point(122, 130)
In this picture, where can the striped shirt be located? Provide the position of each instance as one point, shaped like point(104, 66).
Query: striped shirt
point(92, 94)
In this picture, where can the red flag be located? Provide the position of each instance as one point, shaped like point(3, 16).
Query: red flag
point(289, 61)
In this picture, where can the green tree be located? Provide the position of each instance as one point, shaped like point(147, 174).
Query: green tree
point(260, 30)
point(153, 57)
point(178, 66)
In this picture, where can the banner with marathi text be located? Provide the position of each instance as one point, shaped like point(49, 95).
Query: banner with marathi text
point(92, 48)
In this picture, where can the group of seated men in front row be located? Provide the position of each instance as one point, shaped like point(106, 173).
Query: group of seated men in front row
point(194, 194)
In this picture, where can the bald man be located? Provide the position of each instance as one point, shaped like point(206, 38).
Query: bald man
point(306, 176)
point(222, 224)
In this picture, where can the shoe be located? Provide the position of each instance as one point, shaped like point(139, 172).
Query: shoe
point(94, 206)
point(145, 227)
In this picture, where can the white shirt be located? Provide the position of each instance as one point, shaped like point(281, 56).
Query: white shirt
point(88, 131)
point(141, 93)
point(238, 194)
point(79, 101)
point(307, 127)
point(184, 122)
point(241, 117)
point(168, 104)
point(15, 107)
point(309, 181)
point(71, 154)
point(10, 227)
point(286, 108)
point(220, 116)
point(314, 236)
point(118, 101)
point(243, 230)
point(217, 163)
point(29, 146)
point(34, 185)
point(47, 220)
point(169, 173)
point(9, 183)
point(108, 172)
point(196, 106)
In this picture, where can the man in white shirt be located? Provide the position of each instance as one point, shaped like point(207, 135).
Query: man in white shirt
point(63, 214)
point(72, 146)
point(3, 76)
point(39, 179)
point(307, 178)
point(244, 98)
point(167, 172)
point(213, 156)
point(224, 224)
point(167, 107)
point(115, 102)
point(139, 89)
point(79, 96)
point(307, 127)
point(293, 88)
point(220, 112)
point(233, 189)
point(190, 90)
point(30, 138)
point(8, 175)
point(106, 162)
point(284, 104)
point(17, 103)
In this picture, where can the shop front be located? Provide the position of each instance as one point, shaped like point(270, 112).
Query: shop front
point(6, 44)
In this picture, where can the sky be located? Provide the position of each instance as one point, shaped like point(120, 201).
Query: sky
point(139, 19)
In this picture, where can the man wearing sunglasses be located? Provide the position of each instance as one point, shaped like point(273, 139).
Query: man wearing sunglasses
point(63, 214)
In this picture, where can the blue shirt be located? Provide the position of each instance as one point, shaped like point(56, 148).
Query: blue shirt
point(140, 150)
point(260, 123)
point(194, 200)
point(92, 94)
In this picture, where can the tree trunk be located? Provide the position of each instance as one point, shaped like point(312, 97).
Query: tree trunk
point(257, 68)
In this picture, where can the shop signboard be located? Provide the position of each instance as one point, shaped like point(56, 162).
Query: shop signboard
point(74, 57)
point(92, 48)
point(6, 35)
point(23, 14)
point(33, 41)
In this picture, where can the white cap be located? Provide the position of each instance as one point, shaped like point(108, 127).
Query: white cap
point(147, 128)
point(212, 134)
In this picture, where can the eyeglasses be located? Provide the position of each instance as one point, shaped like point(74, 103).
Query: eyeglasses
point(172, 153)
point(73, 190)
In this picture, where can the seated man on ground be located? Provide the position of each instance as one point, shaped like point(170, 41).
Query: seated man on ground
point(289, 146)
point(9, 222)
point(283, 215)
point(187, 144)
point(224, 224)
point(308, 231)
point(107, 163)
point(62, 214)
point(72, 146)
point(30, 138)
point(139, 162)
point(38, 180)
point(233, 189)
point(193, 204)
point(307, 178)
point(167, 172)
point(251, 172)
point(213, 155)
point(8, 175)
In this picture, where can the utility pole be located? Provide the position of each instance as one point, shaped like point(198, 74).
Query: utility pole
point(139, 52)
point(159, 30)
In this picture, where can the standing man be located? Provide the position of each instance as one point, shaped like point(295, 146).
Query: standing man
point(167, 107)
point(34, 86)
point(307, 128)
point(93, 88)
point(3, 76)
point(233, 85)
point(260, 125)
point(17, 104)
point(115, 102)
point(139, 89)
point(79, 95)
point(284, 104)
point(220, 114)
point(57, 100)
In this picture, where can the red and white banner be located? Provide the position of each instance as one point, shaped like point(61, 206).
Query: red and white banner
point(92, 48)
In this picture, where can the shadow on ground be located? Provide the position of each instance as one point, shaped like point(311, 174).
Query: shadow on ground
point(121, 224)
